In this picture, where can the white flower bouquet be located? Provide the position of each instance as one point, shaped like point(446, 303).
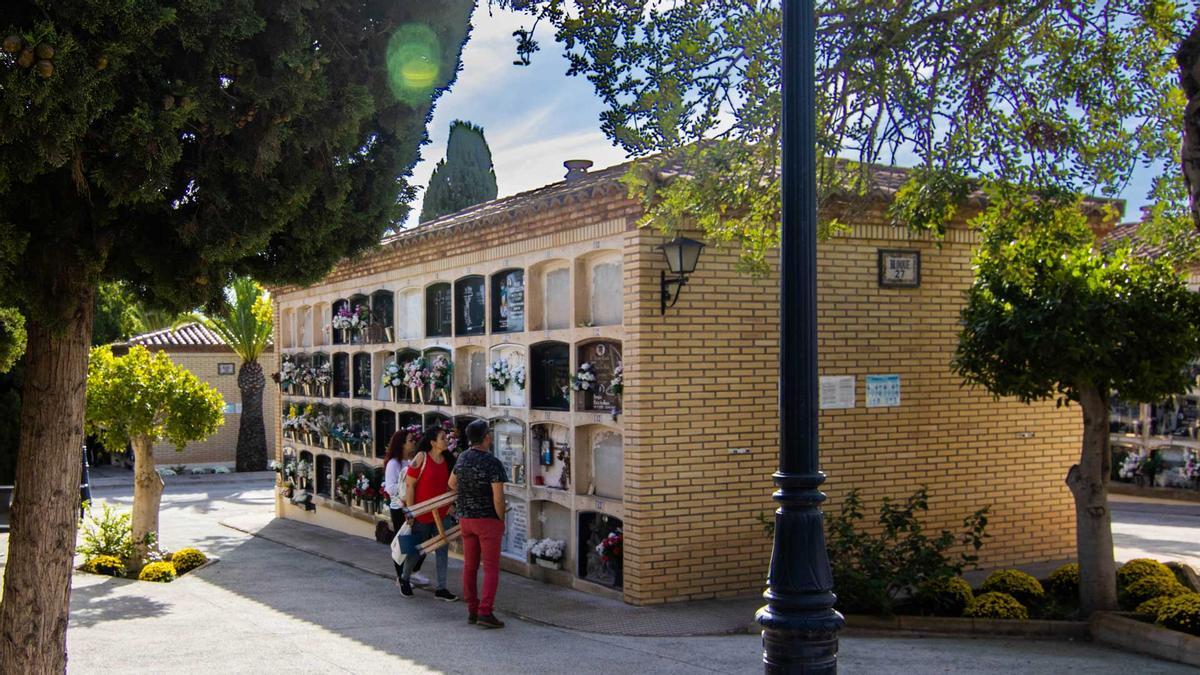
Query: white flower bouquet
point(548, 549)
point(1130, 467)
point(499, 375)
point(584, 379)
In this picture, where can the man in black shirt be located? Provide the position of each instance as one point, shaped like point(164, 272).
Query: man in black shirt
point(479, 479)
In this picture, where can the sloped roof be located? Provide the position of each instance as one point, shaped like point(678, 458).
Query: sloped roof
point(191, 337)
point(1142, 247)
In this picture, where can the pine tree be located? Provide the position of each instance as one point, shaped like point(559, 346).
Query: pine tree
point(465, 177)
point(173, 146)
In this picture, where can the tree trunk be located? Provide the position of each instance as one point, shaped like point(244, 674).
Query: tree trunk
point(1188, 59)
point(45, 504)
point(1088, 481)
point(147, 495)
point(252, 434)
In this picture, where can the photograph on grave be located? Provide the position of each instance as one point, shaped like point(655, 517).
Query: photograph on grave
point(597, 374)
point(508, 301)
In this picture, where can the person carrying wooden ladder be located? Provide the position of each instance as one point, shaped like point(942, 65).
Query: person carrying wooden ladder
point(428, 479)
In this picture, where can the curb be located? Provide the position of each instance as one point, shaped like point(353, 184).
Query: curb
point(1169, 493)
point(1127, 634)
point(200, 479)
point(939, 625)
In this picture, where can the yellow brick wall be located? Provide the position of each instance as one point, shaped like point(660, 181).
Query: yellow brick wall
point(221, 447)
point(702, 380)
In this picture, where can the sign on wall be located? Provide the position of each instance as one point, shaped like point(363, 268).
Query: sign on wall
point(883, 391)
point(837, 392)
point(899, 268)
point(516, 524)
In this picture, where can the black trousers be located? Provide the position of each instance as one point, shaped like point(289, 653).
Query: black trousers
point(397, 521)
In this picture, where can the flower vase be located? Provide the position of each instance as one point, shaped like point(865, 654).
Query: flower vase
point(355, 337)
point(395, 394)
point(389, 334)
point(548, 564)
point(445, 394)
point(341, 336)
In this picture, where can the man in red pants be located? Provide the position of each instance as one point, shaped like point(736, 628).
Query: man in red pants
point(479, 480)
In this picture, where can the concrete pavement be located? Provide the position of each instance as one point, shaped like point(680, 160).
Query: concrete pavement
point(266, 607)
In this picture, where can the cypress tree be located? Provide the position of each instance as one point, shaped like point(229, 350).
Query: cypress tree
point(465, 177)
point(173, 146)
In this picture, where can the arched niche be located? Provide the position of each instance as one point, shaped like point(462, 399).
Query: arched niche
point(339, 336)
point(508, 443)
point(341, 375)
point(320, 319)
point(304, 471)
point(287, 322)
point(411, 421)
point(600, 469)
point(289, 411)
point(549, 297)
point(383, 316)
point(363, 383)
point(513, 358)
point(385, 426)
point(322, 374)
point(289, 375)
point(322, 419)
point(439, 393)
point(508, 301)
point(550, 375)
point(324, 478)
point(470, 303)
point(439, 310)
point(360, 431)
point(403, 358)
point(379, 365)
point(470, 375)
point(600, 289)
point(339, 427)
point(304, 379)
point(550, 455)
point(594, 527)
point(549, 520)
point(410, 309)
point(304, 326)
point(604, 358)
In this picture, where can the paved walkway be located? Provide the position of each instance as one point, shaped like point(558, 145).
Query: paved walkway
point(267, 607)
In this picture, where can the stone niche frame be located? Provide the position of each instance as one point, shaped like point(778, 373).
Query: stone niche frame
point(548, 295)
point(379, 363)
point(439, 310)
point(512, 396)
point(550, 520)
point(605, 356)
point(383, 316)
point(410, 314)
point(385, 426)
point(403, 357)
point(339, 336)
point(470, 376)
point(362, 381)
point(341, 375)
point(432, 397)
point(549, 375)
point(600, 461)
point(593, 528)
point(508, 300)
point(599, 288)
point(306, 482)
point(304, 327)
point(550, 441)
point(321, 330)
point(321, 472)
point(287, 321)
point(510, 447)
point(470, 305)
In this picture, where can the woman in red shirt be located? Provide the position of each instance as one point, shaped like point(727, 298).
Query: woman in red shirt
point(428, 477)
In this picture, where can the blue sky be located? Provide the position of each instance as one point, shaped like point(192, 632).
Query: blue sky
point(535, 117)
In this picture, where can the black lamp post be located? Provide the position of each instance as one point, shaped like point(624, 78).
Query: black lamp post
point(682, 254)
point(799, 623)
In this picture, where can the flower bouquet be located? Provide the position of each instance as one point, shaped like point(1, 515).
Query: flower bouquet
point(439, 377)
point(584, 379)
point(499, 375)
point(416, 376)
point(323, 378)
point(345, 488)
point(363, 438)
point(287, 373)
point(518, 374)
point(548, 552)
point(291, 422)
point(451, 436)
point(617, 386)
point(1191, 468)
point(304, 377)
point(611, 550)
point(1131, 467)
point(341, 436)
point(303, 473)
point(393, 379)
point(361, 485)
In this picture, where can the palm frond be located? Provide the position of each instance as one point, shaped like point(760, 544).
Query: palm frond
point(245, 322)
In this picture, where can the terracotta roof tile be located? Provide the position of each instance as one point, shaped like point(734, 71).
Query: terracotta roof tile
point(191, 336)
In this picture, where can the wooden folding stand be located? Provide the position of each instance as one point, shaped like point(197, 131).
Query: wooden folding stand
point(444, 536)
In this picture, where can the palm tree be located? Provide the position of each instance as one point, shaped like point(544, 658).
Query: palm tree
point(246, 323)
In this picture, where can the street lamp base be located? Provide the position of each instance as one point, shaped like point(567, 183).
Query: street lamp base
point(809, 645)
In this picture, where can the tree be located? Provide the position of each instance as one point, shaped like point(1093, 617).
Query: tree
point(173, 146)
point(140, 399)
point(465, 177)
point(1050, 315)
point(1187, 57)
point(246, 322)
point(1047, 94)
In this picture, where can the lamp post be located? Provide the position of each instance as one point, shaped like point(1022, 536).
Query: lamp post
point(799, 623)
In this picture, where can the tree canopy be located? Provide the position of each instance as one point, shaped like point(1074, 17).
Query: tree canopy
point(1046, 94)
point(147, 395)
point(465, 177)
point(12, 337)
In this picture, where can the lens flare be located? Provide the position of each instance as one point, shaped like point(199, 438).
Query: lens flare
point(413, 61)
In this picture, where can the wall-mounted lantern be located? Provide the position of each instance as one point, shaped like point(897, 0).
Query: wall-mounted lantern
point(682, 254)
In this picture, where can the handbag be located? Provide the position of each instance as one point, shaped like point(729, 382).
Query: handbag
point(404, 543)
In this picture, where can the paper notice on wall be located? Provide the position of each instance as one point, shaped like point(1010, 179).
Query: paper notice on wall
point(516, 522)
point(883, 391)
point(837, 392)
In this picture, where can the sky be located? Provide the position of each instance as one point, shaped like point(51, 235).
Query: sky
point(535, 117)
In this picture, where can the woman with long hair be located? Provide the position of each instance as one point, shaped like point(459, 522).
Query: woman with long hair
point(400, 451)
point(428, 477)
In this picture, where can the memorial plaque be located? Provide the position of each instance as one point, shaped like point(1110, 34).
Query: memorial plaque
point(516, 524)
point(607, 294)
point(439, 313)
point(556, 302)
point(471, 308)
point(508, 302)
point(509, 437)
point(607, 463)
point(550, 376)
point(604, 357)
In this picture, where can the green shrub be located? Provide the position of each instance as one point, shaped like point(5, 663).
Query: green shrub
point(1063, 583)
point(105, 564)
point(871, 570)
point(106, 532)
point(1148, 610)
point(1023, 587)
point(1148, 588)
point(188, 559)
point(157, 571)
point(997, 605)
point(1140, 568)
point(1181, 613)
point(947, 596)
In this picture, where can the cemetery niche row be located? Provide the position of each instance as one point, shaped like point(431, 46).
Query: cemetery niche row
point(541, 377)
point(511, 300)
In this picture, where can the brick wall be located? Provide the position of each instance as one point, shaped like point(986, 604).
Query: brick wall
point(221, 447)
point(703, 379)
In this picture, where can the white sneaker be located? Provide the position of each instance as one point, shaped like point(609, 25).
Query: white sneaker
point(418, 579)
